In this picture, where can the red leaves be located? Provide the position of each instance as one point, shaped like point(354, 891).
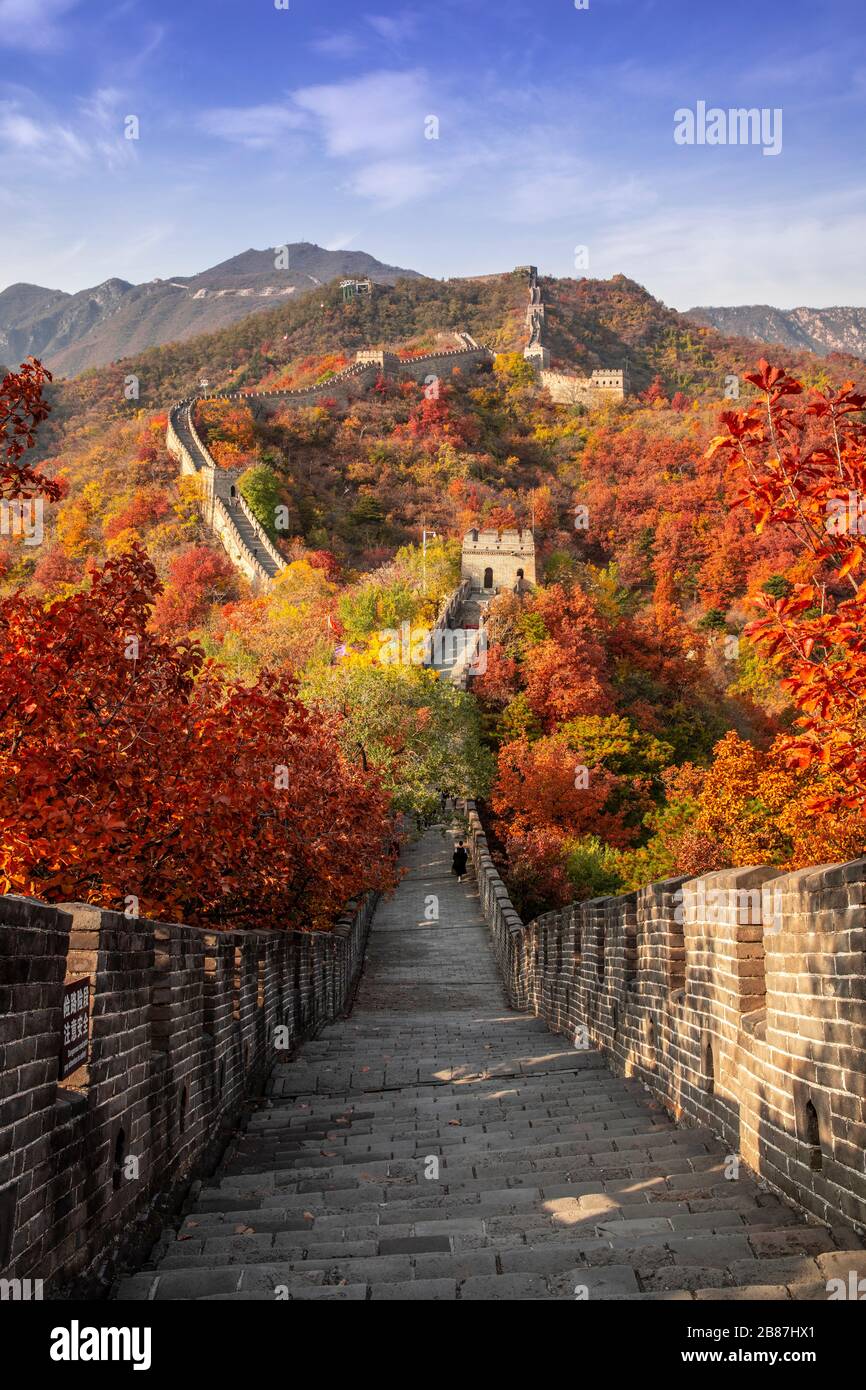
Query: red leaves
point(774, 380)
point(130, 767)
point(804, 470)
point(22, 408)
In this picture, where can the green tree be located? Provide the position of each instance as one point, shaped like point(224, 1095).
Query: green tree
point(260, 489)
point(593, 867)
point(777, 586)
point(420, 732)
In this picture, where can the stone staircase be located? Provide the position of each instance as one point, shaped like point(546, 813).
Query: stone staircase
point(436, 1145)
point(473, 607)
point(459, 647)
point(251, 540)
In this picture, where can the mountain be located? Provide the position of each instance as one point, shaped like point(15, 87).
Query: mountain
point(589, 324)
point(822, 331)
point(71, 332)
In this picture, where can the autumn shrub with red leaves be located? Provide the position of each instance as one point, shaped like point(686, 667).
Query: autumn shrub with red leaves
point(802, 468)
point(132, 769)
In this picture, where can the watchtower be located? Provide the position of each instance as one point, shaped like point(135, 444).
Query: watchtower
point(495, 560)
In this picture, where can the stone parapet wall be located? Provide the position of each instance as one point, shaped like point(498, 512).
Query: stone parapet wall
point(598, 389)
point(226, 531)
point(184, 1024)
point(436, 363)
point(738, 997)
point(451, 606)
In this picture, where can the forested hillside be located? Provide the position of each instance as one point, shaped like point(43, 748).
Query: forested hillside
point(631, 722)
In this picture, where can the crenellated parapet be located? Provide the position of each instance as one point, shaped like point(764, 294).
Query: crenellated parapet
point(738, 997)
point(181, 1024)
point(494, 560)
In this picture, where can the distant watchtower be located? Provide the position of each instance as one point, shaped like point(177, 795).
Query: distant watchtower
point(494, 560)
point(353, 288)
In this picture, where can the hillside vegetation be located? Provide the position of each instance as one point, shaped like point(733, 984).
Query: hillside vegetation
point(631, 723)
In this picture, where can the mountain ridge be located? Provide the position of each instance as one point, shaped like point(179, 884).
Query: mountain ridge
point(299, 342)
point(838, 328)
point(98, 325)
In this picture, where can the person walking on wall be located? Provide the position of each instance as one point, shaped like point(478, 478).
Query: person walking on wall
point(458, 862)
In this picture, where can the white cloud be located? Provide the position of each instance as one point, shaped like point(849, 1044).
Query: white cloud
point(256, 127)
point(566, 186)
point(46, 140)
point(392, 182)
point(93, 135)
point(396, 28)
point(380, 113)
point(337, 45)
point(722, 254)
point(21, 132)
point(32, 24)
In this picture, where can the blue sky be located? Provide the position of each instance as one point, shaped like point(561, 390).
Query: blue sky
point(260, 126)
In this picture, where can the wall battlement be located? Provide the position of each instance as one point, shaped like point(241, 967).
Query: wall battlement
point(603, 386)
point(738, 997)
point(182, 1026)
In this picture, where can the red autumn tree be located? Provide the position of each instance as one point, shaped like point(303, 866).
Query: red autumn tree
point(565, 672)
point(131, 770)
point(135, 775)
point(23, 408)
point(544, 785)
point(802, 469)
point(198, 577)
point(499, 683)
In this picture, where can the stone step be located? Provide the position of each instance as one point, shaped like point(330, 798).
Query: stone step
point(568, 1269)
point(582, 1111)
point(511, 1151)
point(767, 1211)
point(559, 1204)
point(203, 1249)
point(456, 1139)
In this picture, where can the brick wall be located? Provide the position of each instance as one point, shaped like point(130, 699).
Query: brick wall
point(738, 997)
point(184, 1024)
point(595, 390)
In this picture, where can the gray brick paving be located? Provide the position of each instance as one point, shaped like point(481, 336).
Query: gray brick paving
point(437, 1145)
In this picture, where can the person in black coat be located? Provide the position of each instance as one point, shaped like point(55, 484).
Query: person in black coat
point(458, 862)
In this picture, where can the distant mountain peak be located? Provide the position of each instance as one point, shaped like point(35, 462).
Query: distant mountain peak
point(115, 318)
point(840, 328)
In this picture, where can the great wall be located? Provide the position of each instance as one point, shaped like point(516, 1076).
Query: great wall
point(603, 386)
point(655, 1096)
point(225, 510)
point(223, 507)
point(659, 1095)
